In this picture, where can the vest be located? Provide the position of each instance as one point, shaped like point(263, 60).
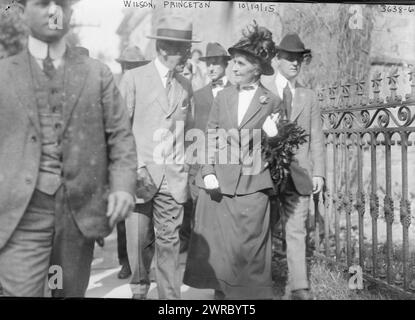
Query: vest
point(49, 95)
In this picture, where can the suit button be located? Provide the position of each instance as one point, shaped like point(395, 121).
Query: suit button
point(28, 180)
point(33, 139)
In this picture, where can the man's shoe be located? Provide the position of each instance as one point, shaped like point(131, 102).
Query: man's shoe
point(302, 294)
point(219, 295)
point(100, 242)
point(139, 296)
point(125, 271)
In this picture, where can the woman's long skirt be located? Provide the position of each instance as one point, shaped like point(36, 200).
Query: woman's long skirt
point(230, 246)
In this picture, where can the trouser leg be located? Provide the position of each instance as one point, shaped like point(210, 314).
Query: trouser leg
point(296, 210)
point(140, 247)
point(168, 217)
point(73, 252)
point(122, 243)
point(24, 260)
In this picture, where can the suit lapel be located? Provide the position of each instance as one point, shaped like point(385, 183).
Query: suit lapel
point(23, 86)
point(254, 106)
point(297, 104)
point(269, 83)
point(232, 107)
point(154, 88)
point(76, 72)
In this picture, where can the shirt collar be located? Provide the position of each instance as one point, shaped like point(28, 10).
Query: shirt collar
point(39, 49)
point(281, 82)
point(224, 81)
point(161, 68)
point(255, 85)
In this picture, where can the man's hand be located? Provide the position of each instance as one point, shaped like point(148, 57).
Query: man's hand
point(270, 125)
point(120, 204)
point(211, 182)
point(318, 183)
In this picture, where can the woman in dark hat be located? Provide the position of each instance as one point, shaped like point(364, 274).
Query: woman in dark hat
point(230, 247)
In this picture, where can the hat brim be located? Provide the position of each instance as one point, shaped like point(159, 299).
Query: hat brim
point(134, 61)
point(207, 57)
point(172, 39)
point(266, 67)
point(291, 50)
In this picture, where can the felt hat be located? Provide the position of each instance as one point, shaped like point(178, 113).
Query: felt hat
point(174, 28)
point(132, 54)
point(292, 43)
point(213, 50)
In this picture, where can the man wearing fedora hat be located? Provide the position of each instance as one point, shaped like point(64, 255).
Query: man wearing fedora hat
point(160, 99)
point(308, 170)
point(216, 60)
point(130, 58)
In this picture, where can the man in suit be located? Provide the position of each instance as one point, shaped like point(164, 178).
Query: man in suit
point(68, 160)
point(308, 169)
point(160, 102)
point(216, 60)
point(130, 58)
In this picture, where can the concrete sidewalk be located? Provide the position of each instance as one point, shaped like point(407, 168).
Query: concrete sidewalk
point(104, 283)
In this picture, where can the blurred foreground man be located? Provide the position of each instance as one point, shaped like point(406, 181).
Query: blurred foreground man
point(160, 103)
point(68, 160)
point(308, 169)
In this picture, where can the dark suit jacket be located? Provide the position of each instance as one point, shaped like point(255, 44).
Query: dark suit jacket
point(203, 103)
point(230, 163)
point(98, 146)
point(310, 156)
point(156, 121)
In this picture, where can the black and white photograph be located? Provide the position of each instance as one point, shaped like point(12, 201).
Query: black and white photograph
point(207, 150)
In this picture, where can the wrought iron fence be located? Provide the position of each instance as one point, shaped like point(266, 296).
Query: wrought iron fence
point(368, 141)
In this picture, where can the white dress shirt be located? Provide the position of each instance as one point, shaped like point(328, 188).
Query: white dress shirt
point(162, 70)
point(244, 100)
point(281, 83)
point(39, 50)
point(218, 88)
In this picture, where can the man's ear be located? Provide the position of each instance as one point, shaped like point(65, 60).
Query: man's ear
point(162, 52)
point(20, 8)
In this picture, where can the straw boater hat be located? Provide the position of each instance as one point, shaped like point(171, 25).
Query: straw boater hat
point(174, 28)
point(132, 54)
point(257, 42)
point(214, 50)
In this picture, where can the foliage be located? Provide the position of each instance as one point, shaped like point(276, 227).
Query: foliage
point(279, 151)
point(12, 32)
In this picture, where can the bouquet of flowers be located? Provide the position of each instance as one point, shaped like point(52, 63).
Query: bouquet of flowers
point(279, 151)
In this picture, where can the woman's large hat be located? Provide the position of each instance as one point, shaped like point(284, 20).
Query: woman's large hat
point(174, 28)
point(213, 50)
point(292, 43)
point(257, 42)
point(132, 54)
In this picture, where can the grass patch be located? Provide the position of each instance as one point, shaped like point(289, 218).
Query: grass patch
point(327, 282)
